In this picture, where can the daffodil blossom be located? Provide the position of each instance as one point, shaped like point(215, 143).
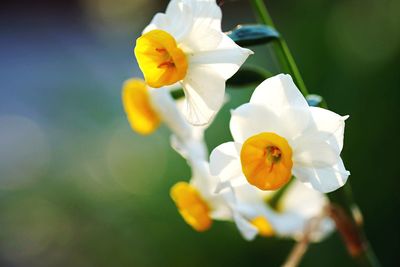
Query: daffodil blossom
point(277, 135)
point(297, 207)
point(200, 203)
point(186, 44)
point(197, 201)
point(146, 108)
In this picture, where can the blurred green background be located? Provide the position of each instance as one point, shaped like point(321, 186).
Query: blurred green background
point(79, 188)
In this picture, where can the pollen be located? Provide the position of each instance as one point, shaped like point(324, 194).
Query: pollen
point(263, 226)
point(160, 59)
point(266, 160)
point(191, 206)
point(136, 100)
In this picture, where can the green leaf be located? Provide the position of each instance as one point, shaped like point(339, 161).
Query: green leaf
point(248, 75)
point(257, 34)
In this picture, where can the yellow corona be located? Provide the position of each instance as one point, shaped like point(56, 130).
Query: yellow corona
point(191, 206)
point(160, 59)
point(266, 160)
point(263, 226)
point(142, 117)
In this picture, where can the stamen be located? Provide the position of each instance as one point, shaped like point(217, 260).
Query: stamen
point(166, 64)
point(161, 50)
point(273, 154)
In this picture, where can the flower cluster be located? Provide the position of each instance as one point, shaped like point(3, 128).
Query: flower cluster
point(271, 179)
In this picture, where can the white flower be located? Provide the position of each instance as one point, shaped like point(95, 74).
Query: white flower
point(186, 44)
point(146, 108)
point(200, 203)
point(277, 135)
point(197, 201)
point(290, 217)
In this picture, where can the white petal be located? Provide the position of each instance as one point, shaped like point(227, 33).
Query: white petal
point(248, 231)
point(171, 116)
point(252, 196)
point(202, 179)
point(205, 183)
point(279, 93)
point(250, 119)
point(309, 152)
point(303, 200)
point(160, 21)
point(326, 227)
point(330, 125)
point(220, 211)
point(189, 148)
point(225, 162)
point(206, 13)
point(205, 32)
point(204, 91)
point(196, 25)
point(177, 20)
point(221, 205)
point(296, 121)
point(225, 60)
point(197, 131)
point(287, 224)
point(325, 179)
point(284, 224)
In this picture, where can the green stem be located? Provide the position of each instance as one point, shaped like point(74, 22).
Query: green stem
point(274, 201)
point(280, 47)
point(343, 208)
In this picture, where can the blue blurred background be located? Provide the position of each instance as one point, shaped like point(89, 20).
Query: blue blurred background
point(79, 188)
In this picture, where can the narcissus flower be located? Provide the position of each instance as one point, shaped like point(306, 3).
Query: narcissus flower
point(197, 201)
point(277, 135)
point(200, 202)
point(146, 108)
point(289, 217)
point(186, 44)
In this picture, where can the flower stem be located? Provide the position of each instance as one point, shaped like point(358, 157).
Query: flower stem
point(343, 209)
point(280, 47)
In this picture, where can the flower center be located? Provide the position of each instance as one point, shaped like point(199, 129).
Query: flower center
point(263, 226)
point(266, 161)
point(160, 59)
point(141, 114)
point(191, 206)
point(273, 153)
